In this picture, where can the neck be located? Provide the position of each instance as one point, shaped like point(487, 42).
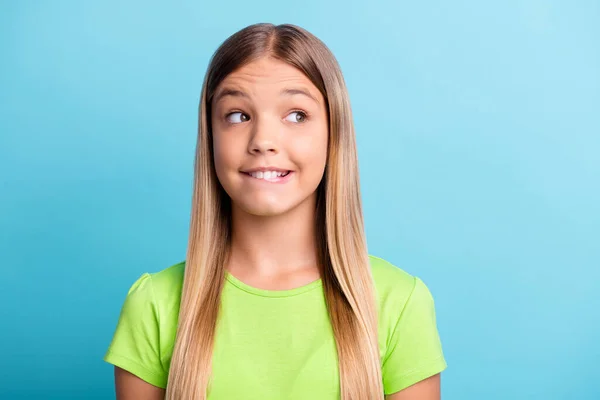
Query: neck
point(274, 245)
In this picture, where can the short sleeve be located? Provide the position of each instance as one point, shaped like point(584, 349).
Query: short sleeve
point(135, 345)
point(414, 352)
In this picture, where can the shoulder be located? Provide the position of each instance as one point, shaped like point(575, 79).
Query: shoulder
point(143, 339)
point(391, 282)
point(155, 294)
point(409, 342)
point(400, 295)
point(168, 278)
point(167, 284)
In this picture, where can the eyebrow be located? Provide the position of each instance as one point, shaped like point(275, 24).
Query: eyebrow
point(229, 92)
point(285, 92)
point(295, 91)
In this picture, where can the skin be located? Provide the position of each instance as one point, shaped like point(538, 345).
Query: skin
point(427, 389)
point(268, 113)
point(267, 125)
point(130, 387)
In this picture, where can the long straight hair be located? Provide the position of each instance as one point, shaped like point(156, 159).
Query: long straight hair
point(342, 250)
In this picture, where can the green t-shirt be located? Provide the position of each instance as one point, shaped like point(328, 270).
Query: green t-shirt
point(278, 344)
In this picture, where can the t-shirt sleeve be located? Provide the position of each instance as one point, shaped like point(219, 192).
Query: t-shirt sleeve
point(414, 351)
point(135, 345)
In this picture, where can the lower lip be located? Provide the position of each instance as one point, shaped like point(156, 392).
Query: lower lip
point(279, 179)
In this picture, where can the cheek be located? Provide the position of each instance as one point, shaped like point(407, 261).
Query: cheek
point(225, 156)
point(310, 152)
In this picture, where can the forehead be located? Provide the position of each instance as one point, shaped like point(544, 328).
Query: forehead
point(268, 73)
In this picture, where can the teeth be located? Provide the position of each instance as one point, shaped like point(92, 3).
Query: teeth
point(267, 175)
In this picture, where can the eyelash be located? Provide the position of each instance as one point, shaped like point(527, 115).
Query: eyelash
point(302, 112)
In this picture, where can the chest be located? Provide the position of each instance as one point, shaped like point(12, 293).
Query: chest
point(274, 349)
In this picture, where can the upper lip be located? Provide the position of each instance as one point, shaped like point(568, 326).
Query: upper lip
point(263, 169)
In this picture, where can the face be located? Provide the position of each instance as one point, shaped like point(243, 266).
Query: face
point(270, 133)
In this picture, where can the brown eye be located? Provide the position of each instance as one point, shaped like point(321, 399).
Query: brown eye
point(237, 117)
point(296, 116)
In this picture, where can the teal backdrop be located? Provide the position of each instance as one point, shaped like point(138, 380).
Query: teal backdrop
point(478, 126)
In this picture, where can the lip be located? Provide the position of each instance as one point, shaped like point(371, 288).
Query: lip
point(278, 180)
point(263, 169)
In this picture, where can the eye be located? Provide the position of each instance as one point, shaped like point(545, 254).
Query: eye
point(237, 117)
point(296, 116)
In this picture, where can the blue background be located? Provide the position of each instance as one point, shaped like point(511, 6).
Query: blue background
point(479, 142)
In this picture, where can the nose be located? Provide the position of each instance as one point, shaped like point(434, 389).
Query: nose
point(264, 137)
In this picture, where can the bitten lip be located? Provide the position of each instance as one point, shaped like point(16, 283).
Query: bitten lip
point(264, 169)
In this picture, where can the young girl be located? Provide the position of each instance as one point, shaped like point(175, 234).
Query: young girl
point(277, 298)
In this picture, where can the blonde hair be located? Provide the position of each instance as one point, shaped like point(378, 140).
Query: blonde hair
point(342, 250)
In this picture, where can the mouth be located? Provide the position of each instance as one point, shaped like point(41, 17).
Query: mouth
point(269, 176)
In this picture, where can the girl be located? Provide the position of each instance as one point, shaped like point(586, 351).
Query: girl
point(278, 297)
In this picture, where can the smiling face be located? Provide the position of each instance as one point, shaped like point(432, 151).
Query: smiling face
point(270, 135)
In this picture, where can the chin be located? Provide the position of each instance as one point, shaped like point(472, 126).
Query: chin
point(265, 209)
